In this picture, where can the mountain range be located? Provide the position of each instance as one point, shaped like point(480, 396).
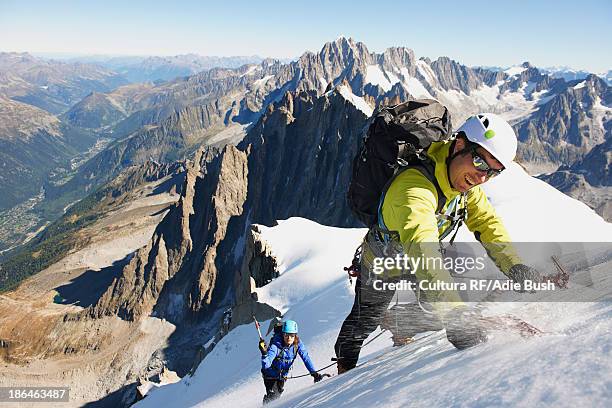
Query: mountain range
point(163, 68)
point(558, 122)
point(52, 85)
point(570, 74)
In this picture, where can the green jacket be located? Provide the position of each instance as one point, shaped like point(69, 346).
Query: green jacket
point(410, 204)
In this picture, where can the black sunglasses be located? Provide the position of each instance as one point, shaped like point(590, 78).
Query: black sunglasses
point(481, 164)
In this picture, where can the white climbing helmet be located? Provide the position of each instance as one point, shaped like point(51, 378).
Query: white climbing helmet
point(492, 133)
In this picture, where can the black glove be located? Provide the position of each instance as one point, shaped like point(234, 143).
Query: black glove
point(464, 327)
point(520, 273)
point(263, 348)
point(317, 377)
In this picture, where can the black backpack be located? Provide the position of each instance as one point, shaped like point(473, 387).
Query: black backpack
point(397, 138)
point(278, 328)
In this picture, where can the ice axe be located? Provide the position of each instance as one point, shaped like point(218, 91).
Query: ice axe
point(560, 279)
point(262, 342)
point(258, 328)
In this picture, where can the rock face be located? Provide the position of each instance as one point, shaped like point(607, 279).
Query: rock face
point(180, 258)
point(452, 75)
point(301, 153)
point(178, 271)
point(596, 165)
point(259, 266)
point(203, 258)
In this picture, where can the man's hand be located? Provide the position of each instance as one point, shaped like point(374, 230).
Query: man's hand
point(317, 377)
point(263, 348)
point(464, 327)
point(521, 273)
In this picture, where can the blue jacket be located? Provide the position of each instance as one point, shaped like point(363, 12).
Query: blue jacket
point(277, 362)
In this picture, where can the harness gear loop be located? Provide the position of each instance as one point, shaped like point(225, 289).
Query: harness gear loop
point(354, 269)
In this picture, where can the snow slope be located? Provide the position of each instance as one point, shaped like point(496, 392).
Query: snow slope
point(515, 70)
point(375, 76)
point(358, 101)
point(569, 367)
point(415, 87)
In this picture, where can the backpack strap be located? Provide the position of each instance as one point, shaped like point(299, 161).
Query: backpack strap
point(295, 354)
point(428, 168)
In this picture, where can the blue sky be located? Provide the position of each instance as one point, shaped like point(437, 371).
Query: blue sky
point(574, 33)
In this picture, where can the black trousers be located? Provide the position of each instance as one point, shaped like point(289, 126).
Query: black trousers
point(274, 389)
point(367, 313)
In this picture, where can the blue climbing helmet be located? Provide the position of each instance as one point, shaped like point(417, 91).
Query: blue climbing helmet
point(290, 327)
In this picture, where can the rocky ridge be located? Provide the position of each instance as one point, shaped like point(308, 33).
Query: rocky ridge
point(180, 256)
point(569, 125)
point(588, 180)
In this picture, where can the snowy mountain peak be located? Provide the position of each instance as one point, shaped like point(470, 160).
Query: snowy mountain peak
point(342, 45)
point(342, 39)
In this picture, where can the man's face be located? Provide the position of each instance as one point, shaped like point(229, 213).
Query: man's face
point(289, 338)
point(462, 173)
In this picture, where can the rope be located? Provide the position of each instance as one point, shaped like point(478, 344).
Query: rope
point(335, 362)
point(320, 369)
point(359, 365)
